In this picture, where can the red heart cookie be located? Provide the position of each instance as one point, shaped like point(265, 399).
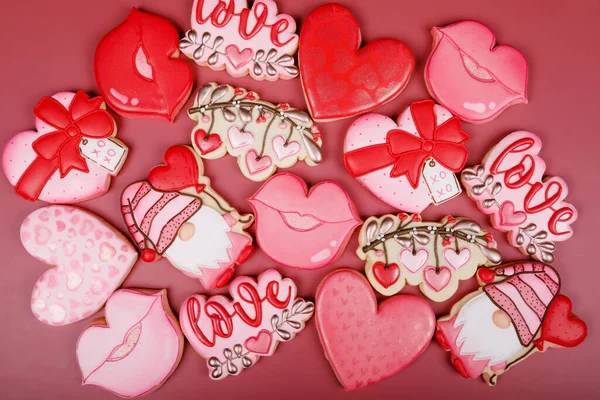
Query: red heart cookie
point(363, 342)
point(561, 327)
point(179, 172)
point(339, 80)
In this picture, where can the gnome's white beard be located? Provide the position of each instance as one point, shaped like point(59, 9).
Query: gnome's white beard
point(480, 336)
point(206, 248)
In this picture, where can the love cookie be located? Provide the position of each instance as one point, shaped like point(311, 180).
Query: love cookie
point(433, 255)
point(229, 35)
point(516, 313)
point(135, 348)
point(341, 81)
point(89, 259)
point(261, 314)
point(263, 136)
point(468, 75)
point(366, 342)
point(72, 154)
point(176, 214)
point(138, 71)
point(510, 186)
point(302, 228)
point(410, 163)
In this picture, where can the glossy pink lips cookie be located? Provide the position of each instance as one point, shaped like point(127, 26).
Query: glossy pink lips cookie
point(468, 75)
point(302, 228)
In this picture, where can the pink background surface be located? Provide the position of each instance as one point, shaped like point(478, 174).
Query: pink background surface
point(48, 47)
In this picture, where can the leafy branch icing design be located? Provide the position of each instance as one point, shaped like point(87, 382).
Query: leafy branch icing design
point(293, 320)
point(528, 237)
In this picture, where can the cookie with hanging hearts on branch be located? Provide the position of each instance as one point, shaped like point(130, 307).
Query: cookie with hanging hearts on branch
point(403, 249)
point(263, 136)
point(517, 312)
point(510, 186)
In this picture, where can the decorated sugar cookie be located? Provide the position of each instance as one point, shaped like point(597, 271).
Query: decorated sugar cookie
point(471, 76)
point(517, 312)
point(72, 154)
point(300, 227)
point(135, 348)
point(433, 255)
point(244, 40)
point(234, 334)
point(366, 342)
point(341, 80)
point(88, 260)
point(263, 136)
point(510, 186)
point(408, 164)
point(138, 71)
point(176, 214)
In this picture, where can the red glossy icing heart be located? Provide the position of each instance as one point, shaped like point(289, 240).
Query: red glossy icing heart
point(179, 172)
point(135, 69)
point(386, 276)
point(560, 326)
point(363, 342)
point(207, 144)
point(339, 80)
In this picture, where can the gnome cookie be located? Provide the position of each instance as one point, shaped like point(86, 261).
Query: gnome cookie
point(176, 214)
point(515, 313)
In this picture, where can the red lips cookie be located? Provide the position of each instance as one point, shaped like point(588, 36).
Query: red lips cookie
point(341, 81)
point(137, 69)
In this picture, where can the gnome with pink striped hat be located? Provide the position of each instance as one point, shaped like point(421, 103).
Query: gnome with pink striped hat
point(176, 214)
point(515, 313)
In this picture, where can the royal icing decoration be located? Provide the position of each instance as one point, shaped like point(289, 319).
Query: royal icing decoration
point(138, 71)
point(135, 348)
point(510, 187)
point(234, 334)
point(366, 342)
point(263, 136)
point(468, 75)
point(410, 163)
point(302, 228)
point(516, 313)
point(89, 261)
point(72, 155)
point(176, 214)
point(433, 255)
point(226, 34)
point(341, 81)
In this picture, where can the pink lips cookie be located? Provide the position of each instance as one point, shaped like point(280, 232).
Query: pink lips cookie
point(468, 75)
point(135, 348)
point(302, 228)
point(89, 261)
point(366, 342)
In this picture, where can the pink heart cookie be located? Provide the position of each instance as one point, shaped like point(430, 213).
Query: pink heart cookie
point(135, 348)
point(83, 273)
point(398, 330)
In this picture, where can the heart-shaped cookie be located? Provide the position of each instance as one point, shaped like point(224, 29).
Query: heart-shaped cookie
point(180, 171)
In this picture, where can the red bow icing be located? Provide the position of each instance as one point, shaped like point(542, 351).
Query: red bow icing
point(59, 150)
point(408, 152)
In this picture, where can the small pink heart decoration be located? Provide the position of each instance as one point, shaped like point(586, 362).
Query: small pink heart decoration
point(413, 262)
point(238, 57)
point(283, 150)
point(239, 139)
point(509, 217)
point(457, 260)
point(437, 280)
point(261, 343)
point(257, 164)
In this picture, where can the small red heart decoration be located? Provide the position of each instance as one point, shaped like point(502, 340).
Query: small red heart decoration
point(341, 81)
point(207, 144)
point(486, 275)
point(179, 172)
point(560, 326)
point(386, 275)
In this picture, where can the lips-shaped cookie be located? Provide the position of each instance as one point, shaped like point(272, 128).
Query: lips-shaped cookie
point(302, 228)
point(135, 348)
point(341, 81)
point(137, 69)
point(468, 75)
point(89, 261)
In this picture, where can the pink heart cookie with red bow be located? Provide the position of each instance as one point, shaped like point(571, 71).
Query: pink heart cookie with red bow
point(261, 314)
point(135, 348)
point(89, 260)
point(71, 156)
point(366, 342)
point(408, 164)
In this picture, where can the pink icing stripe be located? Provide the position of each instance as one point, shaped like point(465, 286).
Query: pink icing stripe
point(552, 274)
point(530, 297)
point(167, 213)
point(508, 306)
point(144, 188)
point(145, 204)
point(538, 287)
point(552, 285)
point(531, 319)
point(170, 229)
point(146, 223)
